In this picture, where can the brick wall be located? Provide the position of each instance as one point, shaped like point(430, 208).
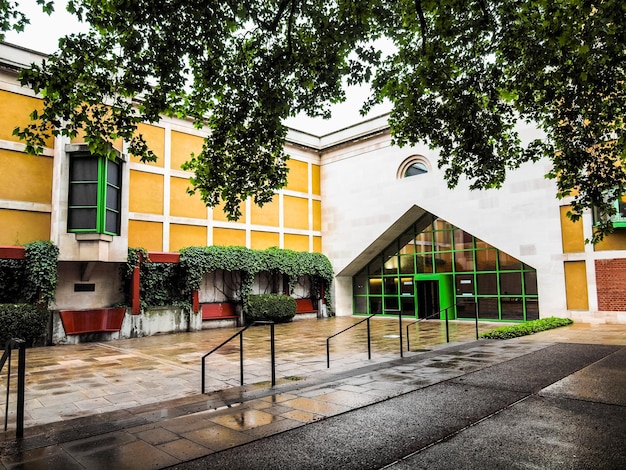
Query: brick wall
point(611, 282)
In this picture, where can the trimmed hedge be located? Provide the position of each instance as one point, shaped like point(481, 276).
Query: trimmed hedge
point(274, 307)
point(528, 328)
point(23, 321)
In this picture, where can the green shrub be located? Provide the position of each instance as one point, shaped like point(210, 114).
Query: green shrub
point(23, 321)
point(275, 307)
point(528, 328)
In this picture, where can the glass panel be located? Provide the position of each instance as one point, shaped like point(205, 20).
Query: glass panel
point(406, 264)
point(359, 283)
point(113, 199)
point(113, 173)
point(464, 284)
point(530, 282)
point(512, 308)
point(487, 284)
point(376, 286)
point(81, 219)
point(465, 307)
point(415, 169)
point(488, 308)
point(84, 169)
point(442, 241)
point(375, 267)
point(391, 285)
point(441, 224)
point(408, 306)
point(407, 286)
point(424, 242)
point(507, 262)
point(376, 305)
point(463, 261)
point(486, 260)
point(532, 309)
point(511, 283)
point(112, 224)
point(427, 263)
point(462, 240)
point(391, 265)
point(391, 303)
point(443, 262)
point(83, 194)
point(481, 244)
point(360, 304)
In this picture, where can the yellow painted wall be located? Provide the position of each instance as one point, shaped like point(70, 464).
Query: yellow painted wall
point(298, 178)
point(25, 177)
point(182, 204)
point(183, 145)
point(576, 285)
point(20, 227)
point(148, 235)
point(266, 215)
point(296, 212)
point(155, 138)
point(146, 192)
point(182, 236)
point(263, 240)
point(572, 235)
point(229, 237)
point(296, 242)
point(15, 111)
point(218, 213)
point(317, 244)
point(317, 215)
point(614, 241)
point(315, 180)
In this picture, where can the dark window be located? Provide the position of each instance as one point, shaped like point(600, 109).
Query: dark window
point(94, 195)
point(417, 168)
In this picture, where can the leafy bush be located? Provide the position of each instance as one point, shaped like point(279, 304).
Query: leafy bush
point(523, 329)
point(275, 307)
point(27, 322)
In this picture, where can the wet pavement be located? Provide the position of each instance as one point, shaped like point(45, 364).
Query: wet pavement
point(136, 403)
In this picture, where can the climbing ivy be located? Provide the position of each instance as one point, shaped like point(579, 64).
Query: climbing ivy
point(163, 283)
point(32, 280)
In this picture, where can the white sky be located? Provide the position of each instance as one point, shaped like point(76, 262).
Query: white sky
point(43, 33)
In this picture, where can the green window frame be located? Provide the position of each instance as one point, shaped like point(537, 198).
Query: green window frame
point(619, 219)
point(95, 186)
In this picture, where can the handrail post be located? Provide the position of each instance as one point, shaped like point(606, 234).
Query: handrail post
point(447, 327)
point(21, 382)
point(328, 353)
point(7, 356)
point(241, 358)
point(203, 373)
point(400, 327)
point(273, 354)
point(476, 314)
point(369, 343)
point(408, 342)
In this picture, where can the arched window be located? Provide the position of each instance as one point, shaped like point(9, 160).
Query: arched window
point(413, 166)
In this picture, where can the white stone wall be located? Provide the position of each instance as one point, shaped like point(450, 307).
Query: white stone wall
point(363, 199)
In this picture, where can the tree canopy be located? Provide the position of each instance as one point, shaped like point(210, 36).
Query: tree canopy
point(461, 76)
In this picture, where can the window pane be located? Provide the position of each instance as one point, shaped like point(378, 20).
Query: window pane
point(360, 304)
point(112, 224)
point(113, 198)
point(530, 282)
point(82, 219)
point(424, 242)
point(487, 284)
point(486, 260)
point(375, 267)
point(391, 265)
point(509, 263)
point(376, 286)
point(532, 309)
point(391, 303)
point(462, 240)
point(408, 306)
point(465, 307)
point(113, 173)
point(415, 169)
point(464, 261)
point(391, 285)
point(488, 308)
point(512, 308)
point(510, 283)
point(406, 264)
point(407, 286)
point(376, 305)
point(83, 194)
point(84, 169)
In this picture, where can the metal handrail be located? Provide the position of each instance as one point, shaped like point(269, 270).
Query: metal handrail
point(21, 382)
point(240, 334)
point(437, 314)
point(369, 347)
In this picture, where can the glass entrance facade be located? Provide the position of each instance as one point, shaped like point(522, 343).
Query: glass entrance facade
point(486, 281)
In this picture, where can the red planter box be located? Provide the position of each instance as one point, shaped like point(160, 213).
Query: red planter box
point(92, 320)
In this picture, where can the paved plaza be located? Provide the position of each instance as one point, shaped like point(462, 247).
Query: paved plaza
point(136, 403)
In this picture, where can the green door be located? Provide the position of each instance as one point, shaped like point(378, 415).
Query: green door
point(434, 294)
